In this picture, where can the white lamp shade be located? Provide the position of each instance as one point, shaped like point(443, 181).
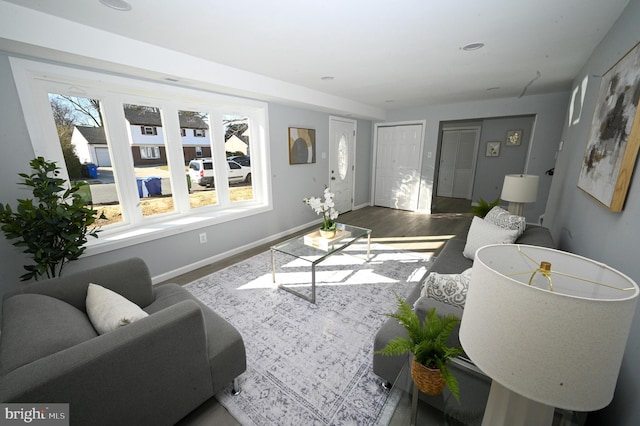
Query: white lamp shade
point(520, 188)
point(563, 348)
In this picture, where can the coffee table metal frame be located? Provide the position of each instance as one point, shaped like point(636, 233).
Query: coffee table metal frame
point(296, 247)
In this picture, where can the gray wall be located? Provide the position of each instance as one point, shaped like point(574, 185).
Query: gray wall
point(549, 111)
point(583, 226)
point(290, 184)
point(490, 171)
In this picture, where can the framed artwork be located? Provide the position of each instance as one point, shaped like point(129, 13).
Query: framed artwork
point(611, 150)
point(302, 145)
point(514, 137)
point(493, 149)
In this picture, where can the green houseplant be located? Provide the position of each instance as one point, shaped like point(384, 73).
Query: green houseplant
point(53, 226)
point(483, 207)
point(427, 341)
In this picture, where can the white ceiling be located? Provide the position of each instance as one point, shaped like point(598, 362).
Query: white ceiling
point(387, 54)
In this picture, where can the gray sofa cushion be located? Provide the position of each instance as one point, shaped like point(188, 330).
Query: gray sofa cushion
point(536, 235)
point(35, 326)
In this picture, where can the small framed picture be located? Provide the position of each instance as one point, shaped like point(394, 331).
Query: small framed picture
point(514, 137)
point(493, 149)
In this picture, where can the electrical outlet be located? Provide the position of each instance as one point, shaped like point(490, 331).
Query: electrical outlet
point(203, 238)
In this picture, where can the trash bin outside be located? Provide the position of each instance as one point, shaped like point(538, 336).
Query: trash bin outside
point(154, 185)
point(142, 188)
point(90, 170)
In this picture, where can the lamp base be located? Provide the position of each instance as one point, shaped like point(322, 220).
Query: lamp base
point(507, 408)
point(516, 208)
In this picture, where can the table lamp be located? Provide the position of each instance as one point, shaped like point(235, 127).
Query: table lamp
point(518, 190)
point(550, 329)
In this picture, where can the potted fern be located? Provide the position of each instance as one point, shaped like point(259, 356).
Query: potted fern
point(53, 226)
point(483, 207)
point(427, 342)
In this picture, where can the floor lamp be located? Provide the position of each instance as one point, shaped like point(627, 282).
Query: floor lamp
point(518, 190)
point(549, 327)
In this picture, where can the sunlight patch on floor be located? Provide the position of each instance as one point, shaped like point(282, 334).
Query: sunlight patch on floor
point(424, 245)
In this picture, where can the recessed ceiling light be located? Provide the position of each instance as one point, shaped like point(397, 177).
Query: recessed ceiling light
point(117, 4)
point(326, 78)
point(472, 46)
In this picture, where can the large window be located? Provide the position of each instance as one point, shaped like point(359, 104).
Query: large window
point(156, 159)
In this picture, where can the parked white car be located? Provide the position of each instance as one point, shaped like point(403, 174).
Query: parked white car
point(201, 172)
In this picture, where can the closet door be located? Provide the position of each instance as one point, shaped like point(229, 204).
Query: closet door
point(458, 154)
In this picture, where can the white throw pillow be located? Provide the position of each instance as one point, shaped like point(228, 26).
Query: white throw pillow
point(482, 233)
point(504, 219)
point(447, 288)
point(108, 310)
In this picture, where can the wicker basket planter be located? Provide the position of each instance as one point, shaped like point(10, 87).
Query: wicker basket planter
point(427, 341)
point(428, 380)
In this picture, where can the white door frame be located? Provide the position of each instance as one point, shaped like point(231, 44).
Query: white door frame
point(478, 128)
point(352, 160)
point(375, 152)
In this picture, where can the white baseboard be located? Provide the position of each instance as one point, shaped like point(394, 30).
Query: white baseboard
point(218, 257)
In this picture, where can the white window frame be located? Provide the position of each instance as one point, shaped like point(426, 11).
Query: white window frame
point(149, 130)
point(149, 152)
point(199, 133)
point(34, 80)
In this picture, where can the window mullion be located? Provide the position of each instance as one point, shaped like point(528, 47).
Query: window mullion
point(175, 158)
point(118, 134)
point(219, 158)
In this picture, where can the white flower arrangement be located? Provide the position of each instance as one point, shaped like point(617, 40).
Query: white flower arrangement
point(325, 208)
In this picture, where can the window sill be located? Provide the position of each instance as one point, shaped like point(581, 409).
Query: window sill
point(123, 237)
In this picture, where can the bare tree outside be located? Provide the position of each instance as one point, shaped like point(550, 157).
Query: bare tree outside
point(87, 110)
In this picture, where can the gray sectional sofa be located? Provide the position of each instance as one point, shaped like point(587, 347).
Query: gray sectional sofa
point(152, 371)
point(473, 390)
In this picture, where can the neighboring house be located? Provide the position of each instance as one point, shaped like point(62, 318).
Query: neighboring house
point(146, 139)
point(91, 145)
point(235, 144)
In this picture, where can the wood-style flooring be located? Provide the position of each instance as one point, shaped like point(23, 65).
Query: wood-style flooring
point(425, 233)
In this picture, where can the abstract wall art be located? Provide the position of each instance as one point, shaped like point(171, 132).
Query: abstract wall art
point(614, 139)
point(302, 145)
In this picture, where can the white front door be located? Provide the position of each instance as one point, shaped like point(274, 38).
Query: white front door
point(398, 165)
point(342, 134)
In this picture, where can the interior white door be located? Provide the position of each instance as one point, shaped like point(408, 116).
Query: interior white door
point(448, 155)
point(342, 161)
point(458, 155)
point(398, 165)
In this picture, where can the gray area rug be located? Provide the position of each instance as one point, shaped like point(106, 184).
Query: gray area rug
point(310, 364)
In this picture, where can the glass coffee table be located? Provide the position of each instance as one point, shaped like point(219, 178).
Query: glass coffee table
point(315, 250)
